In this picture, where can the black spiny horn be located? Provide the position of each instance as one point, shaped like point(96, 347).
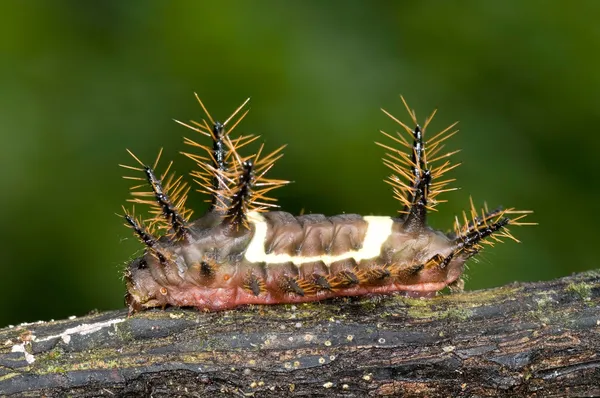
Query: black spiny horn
point(418, 187)
point(236, 215)
point(485, 228)
point(249, 186)
point(214, 163)
point(169, 211)
point(145, 235)
point(166, 201)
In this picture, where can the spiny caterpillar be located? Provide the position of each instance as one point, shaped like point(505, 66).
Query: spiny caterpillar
point(241, 251)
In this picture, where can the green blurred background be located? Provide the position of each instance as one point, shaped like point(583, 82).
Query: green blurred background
point(80, 81)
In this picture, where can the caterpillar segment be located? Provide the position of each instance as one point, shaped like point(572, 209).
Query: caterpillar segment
point(245, 251)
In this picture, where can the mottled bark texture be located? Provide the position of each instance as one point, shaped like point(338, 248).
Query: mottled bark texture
point(534, 339)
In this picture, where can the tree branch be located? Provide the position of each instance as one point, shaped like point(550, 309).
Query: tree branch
point(534, 339)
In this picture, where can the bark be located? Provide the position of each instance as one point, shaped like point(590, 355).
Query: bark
point(524, 339)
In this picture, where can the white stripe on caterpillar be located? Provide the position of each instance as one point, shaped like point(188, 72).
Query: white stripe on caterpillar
point(379, 228)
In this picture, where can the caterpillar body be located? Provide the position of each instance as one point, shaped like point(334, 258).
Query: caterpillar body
point(244, 251)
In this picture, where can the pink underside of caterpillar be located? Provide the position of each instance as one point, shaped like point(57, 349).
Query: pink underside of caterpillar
point(216, 299)
point(223, 299)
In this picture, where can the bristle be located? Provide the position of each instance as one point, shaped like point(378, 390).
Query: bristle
point(415, 178)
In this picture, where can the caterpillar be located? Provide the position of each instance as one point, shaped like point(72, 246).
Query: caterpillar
point(245, 251)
